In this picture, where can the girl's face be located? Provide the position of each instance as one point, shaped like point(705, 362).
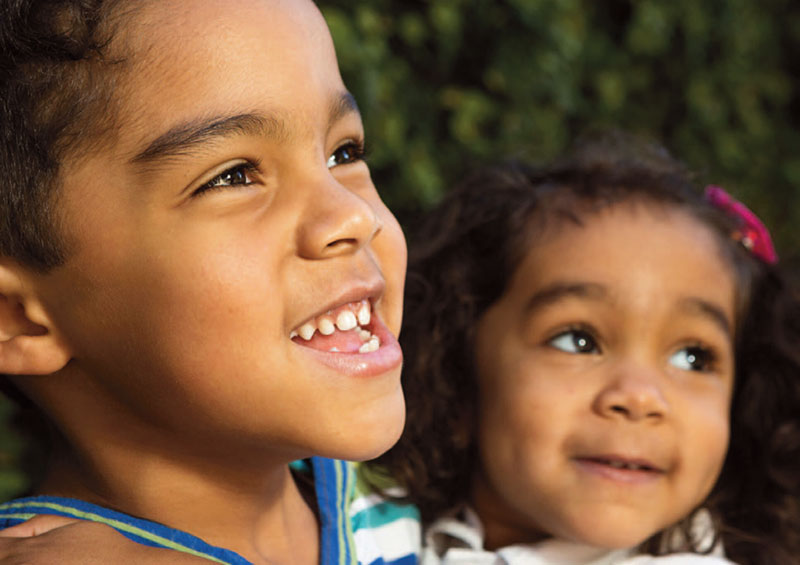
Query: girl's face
point(605, 374)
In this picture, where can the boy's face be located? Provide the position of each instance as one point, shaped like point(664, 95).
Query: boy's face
point(228, 208)
point(606, 371)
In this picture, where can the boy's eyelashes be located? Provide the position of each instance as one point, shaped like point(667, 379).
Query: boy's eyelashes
point(245, 173)
point(348, 152)
point(241, 174)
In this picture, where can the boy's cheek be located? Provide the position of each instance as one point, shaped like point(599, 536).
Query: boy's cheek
point(391, 252)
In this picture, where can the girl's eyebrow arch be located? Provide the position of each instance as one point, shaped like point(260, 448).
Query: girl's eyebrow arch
point(708, 309)
point(560, 290)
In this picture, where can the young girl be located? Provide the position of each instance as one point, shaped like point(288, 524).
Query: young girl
point(602, 366)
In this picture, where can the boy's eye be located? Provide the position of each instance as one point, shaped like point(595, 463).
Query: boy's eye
point(575, 341)
point(239, 175)
point(350, 152)
point(693, 358)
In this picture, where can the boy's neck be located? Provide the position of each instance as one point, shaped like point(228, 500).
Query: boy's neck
point(260, 514)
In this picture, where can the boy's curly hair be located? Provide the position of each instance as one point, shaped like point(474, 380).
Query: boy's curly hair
point(459, 264)
point(56, 89)
point(53, 97)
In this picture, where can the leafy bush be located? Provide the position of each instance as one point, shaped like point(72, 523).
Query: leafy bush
point(447, 84)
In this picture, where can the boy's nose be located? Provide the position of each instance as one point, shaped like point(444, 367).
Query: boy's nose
point(633, 394)
point(337, 222)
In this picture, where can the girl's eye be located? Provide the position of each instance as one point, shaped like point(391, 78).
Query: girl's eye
point(350, 152)
point(693, 358)
point(239, 175)
point(575, 341)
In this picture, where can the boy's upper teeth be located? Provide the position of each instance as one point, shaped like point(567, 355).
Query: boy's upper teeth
point(325, 326)
point(364, 314)
point(345, 318)
point(306, 331)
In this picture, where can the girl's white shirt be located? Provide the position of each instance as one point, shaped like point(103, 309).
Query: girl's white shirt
point(459, 541)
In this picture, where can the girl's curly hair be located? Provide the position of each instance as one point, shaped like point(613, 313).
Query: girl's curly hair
point(460, 261)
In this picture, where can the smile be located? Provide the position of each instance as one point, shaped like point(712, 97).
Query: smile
point(620, 469)
point(345, 329)
point(624, 464)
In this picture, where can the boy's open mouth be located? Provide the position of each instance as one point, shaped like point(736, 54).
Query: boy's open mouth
point(346, 329)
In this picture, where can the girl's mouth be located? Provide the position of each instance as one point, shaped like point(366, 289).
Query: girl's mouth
point(620, 469)
point(620, 463)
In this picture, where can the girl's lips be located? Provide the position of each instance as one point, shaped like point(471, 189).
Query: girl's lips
point(620, 469)
point(386, 357)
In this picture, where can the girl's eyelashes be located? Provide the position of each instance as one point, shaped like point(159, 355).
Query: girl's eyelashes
point(693, 358)
point(241, 174)
point(575, 340)
point(349, 152)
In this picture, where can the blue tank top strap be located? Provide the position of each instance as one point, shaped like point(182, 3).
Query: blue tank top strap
point(142, 531)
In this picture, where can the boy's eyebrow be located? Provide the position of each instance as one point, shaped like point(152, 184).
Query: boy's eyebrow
point(179, 140)
point(341, 106)
point(182, 138)
point(559, 290)
point(708, 309)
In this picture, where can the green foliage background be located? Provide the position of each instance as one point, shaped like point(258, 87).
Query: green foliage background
point(447, 84)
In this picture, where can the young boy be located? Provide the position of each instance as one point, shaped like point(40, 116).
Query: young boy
point(199, 282)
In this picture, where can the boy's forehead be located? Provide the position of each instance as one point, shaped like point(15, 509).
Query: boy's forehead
point(190, 59)
point(224, 16)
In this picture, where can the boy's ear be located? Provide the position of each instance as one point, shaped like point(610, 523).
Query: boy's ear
point(28, 343)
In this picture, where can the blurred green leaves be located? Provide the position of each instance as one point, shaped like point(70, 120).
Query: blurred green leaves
point(445, 85)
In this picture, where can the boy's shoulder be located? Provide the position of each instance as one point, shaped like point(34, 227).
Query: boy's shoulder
point(136, 529)
point(356, 527)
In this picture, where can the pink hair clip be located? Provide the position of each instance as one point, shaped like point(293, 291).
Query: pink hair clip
point(752, 233)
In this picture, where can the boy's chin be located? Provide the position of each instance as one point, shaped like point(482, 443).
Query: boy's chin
point(371, 440)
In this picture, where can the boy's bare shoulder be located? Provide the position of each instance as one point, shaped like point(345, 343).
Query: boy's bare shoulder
point(55, 539)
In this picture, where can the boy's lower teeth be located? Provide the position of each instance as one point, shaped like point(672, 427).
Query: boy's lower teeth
point(357, 340)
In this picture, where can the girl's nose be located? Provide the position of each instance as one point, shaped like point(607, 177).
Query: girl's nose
point(337, 221)
point(634, 394)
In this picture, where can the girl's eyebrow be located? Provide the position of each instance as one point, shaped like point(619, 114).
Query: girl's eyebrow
point(594, 291)
point(182, 139)
point(560, 290)
point(709, 310)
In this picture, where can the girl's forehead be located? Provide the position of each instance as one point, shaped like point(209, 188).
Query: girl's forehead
point(632, 236)
point(568, 212)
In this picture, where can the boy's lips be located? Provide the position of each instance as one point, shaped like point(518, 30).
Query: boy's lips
point(349, 335)
point(370, 362)
point(345, 329)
